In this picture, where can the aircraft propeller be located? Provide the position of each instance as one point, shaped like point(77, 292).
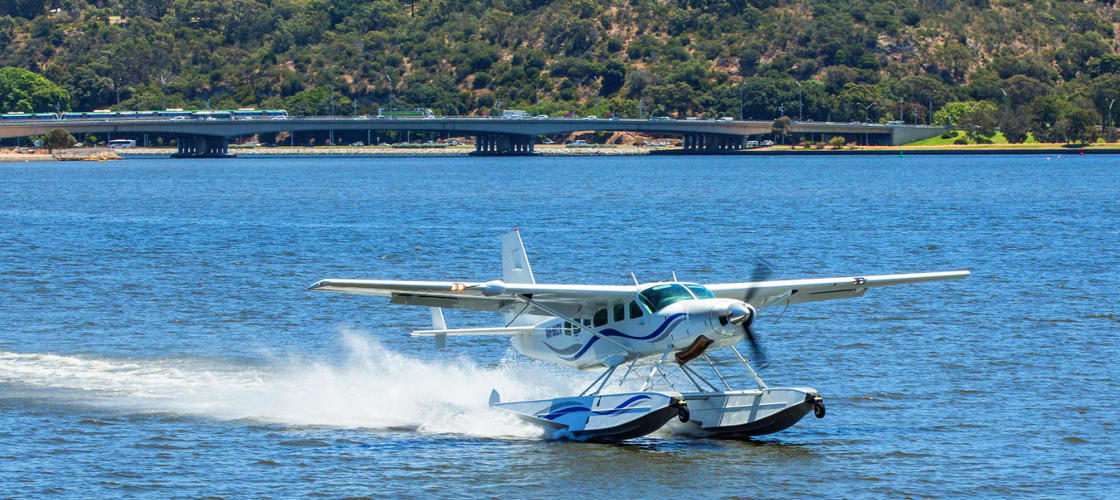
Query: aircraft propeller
point(761, 272)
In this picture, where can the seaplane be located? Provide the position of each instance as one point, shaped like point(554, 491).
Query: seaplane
point(656, 334)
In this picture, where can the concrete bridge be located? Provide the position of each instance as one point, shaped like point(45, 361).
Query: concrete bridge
point(202, 138)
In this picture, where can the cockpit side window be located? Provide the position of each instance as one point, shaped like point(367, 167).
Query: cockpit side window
point(659, 296)
point(635, 310)
point(701, 292)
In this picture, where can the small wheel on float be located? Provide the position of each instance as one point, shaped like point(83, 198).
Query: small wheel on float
point(818, 410)
point(682, 414)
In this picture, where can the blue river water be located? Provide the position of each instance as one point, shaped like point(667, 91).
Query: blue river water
point(157, 338)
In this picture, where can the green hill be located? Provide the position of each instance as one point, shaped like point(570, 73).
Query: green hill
point(1037, 62)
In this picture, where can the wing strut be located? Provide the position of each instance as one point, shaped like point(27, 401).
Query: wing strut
point(529, 300)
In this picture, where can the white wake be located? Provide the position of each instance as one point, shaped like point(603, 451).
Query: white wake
point(374, 388)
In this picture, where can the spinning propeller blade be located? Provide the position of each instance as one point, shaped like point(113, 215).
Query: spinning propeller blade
point(762, 272)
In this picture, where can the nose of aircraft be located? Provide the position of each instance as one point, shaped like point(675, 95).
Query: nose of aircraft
point(740, 313)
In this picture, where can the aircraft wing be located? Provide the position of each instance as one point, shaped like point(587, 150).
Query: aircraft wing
point(767, 293)
point(494, 296)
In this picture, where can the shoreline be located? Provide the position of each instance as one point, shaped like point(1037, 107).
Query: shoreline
point(632, 150)
point(603, 150)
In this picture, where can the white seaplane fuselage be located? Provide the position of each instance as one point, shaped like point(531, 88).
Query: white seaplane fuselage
point(647, 335)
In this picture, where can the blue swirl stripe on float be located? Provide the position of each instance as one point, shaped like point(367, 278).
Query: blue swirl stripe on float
point(572, 409)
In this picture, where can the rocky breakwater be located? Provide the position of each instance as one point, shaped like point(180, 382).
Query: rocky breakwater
point(86, 154)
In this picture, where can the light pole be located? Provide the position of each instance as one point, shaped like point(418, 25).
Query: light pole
point(865, 108)
point(741, 100)
point(163, 81)
point(1110, 111)
point(800, 115)
point(390, 95)
point(331, 131)
point(971, 132)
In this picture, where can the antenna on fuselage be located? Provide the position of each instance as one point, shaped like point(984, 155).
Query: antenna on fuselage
point(635, 278)
point(675, 276)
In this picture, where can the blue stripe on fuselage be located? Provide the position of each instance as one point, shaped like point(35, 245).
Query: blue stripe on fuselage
point(610, 332)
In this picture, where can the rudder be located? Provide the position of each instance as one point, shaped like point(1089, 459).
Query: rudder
point(515, 263)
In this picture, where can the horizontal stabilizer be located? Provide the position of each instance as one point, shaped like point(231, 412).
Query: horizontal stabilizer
point(517, 330)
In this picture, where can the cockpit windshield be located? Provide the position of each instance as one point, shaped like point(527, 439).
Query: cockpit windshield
point(658, 296)
point(700, 292)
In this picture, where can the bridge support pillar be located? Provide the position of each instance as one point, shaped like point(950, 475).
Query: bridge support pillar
point(202, 146)
point(711, 143)
point(503, 145)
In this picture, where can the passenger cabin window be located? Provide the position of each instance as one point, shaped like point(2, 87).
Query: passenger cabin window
point(600, 317)
point(635, 310)
point(659, 296)
point(619, 312)
point(701, 292)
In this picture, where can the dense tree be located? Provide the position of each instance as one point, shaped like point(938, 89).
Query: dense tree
point(782, 127)
point(1080, 125)
point(979, 123)
point(1049, 111)
point(59, 138)
point(1014, 123)
point(953, 112)
point(22, 90)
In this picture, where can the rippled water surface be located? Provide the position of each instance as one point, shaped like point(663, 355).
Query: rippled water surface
point(156, 337)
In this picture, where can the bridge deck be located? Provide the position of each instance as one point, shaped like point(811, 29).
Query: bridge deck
point(458, 126)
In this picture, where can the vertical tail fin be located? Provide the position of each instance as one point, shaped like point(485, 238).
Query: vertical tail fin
point(515, 264)
point(516, 269)
point(439, 324)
